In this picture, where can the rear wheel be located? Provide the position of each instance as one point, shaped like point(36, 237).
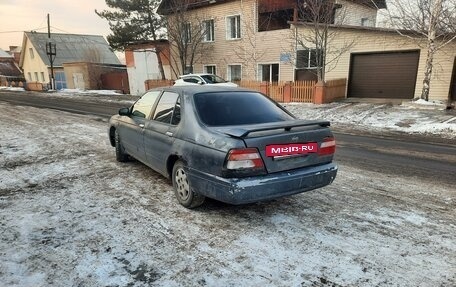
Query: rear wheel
point(182, 189)
point(121, 155)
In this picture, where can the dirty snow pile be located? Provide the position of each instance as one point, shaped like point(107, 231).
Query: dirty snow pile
point(89, 92)
point(12, 89)
point(410, 117)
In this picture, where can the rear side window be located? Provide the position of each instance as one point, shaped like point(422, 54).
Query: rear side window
point(144, 105)
point(238, 108)
point(165, 107)
point(191, 80)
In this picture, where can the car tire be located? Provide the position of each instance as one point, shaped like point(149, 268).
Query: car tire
point(121, 155)
point(182, 189)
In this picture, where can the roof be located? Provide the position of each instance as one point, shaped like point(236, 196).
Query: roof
point(137, 45)
point(194, 74)
point(9, 68)
point(4, 54)
point(166, 5)
point(15, 49)
point(353, 27)
point(379, 4)
point(73, 48)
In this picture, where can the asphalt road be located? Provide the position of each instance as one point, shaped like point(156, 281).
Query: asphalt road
point(398, 156)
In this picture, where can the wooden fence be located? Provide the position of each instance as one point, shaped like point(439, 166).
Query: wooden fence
point(277, 91)
point(335, 89)
point(251, 85)
point(303, 91)
point(285, 92)
point(150, 84)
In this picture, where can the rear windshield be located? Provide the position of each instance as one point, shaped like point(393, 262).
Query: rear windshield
point(238, 108)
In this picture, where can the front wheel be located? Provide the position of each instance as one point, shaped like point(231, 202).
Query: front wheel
point(121, 155)
point(182, 189)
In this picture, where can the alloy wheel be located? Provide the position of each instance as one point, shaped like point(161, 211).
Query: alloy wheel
point(183, 188)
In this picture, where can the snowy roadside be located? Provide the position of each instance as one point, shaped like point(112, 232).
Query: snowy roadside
point(71, 215)
point(413, 118)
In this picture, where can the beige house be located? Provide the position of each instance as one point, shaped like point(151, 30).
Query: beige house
point(257, 40)
point(69, 48)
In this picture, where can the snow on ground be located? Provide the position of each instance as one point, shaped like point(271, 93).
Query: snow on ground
point(90, 92)
point(409, 117)
point(67, 91)
point(70, 215)
point(12, 89)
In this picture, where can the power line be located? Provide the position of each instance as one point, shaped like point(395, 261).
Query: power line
point(6, 32)
point(61, 30)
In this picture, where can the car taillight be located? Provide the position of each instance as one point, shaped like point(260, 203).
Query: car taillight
point(244, 162)
point(327, 147)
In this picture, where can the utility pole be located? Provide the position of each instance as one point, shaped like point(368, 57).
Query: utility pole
point(51, 51)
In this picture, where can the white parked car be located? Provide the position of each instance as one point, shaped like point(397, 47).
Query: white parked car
point(202, 79)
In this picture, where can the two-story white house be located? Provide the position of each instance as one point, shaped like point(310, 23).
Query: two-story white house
point(258, 40)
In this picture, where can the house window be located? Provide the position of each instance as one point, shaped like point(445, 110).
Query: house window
point(306, 59)
point(234, 72)
point(269, 72)
point(42, 77)
point(208, 31)
point(210, 69)
point(60, 81)
point(30, 76)
point(364, 22)
point(186, 33)
point(36, 76)
point(32, 54)
point(233, 27)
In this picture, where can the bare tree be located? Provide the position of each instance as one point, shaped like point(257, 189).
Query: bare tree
point(430, 23)
point(92, 55)
point(322, 20)
point(187, 35)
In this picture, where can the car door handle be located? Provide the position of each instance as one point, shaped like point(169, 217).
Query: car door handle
point(141, 125)
point(170, 134)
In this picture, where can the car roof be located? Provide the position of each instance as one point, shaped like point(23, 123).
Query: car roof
point(196, 74)
point(197, 89)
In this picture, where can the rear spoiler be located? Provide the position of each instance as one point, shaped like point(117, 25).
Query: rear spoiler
point(241, 132)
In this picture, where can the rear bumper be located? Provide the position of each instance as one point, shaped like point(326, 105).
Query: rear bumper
point(252, 189)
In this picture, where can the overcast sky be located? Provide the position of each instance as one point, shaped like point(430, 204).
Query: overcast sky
point(76, 17)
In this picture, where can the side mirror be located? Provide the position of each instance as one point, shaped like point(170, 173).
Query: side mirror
point(200, 82)
point(124, 112)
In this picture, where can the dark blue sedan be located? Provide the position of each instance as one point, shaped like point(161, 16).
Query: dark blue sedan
point(229, 144)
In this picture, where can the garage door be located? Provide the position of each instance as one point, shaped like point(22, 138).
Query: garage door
point(453, 84)
point(383, 75)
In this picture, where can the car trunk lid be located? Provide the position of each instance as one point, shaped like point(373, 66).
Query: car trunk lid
point(286, 145)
